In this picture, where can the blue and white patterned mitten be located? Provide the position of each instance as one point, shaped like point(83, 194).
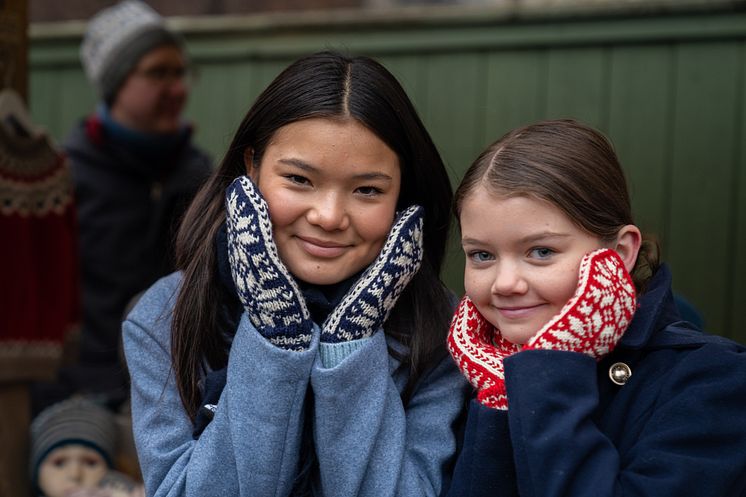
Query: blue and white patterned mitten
point(268, 292)
point(367, 305)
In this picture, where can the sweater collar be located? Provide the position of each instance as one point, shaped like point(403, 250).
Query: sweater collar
point(150, 147)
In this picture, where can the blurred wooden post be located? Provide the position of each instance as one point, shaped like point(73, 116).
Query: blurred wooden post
point(15, 375)
point(14, 45)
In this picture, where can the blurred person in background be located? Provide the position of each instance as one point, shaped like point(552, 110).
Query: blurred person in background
point(135, 170)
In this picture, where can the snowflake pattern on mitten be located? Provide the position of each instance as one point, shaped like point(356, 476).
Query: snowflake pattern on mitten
point(479, 350)
point(367, 305)
point(595, 318)
point(266, 289)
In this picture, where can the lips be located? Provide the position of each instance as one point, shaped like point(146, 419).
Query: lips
point(518, 312)
point(324, 249)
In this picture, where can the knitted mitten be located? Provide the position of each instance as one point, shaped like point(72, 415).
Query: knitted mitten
point(596, 317)
point(367, 305)
point(266, 289)
point(479, 350)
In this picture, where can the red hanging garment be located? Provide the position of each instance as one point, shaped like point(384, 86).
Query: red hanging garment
point(38, 248)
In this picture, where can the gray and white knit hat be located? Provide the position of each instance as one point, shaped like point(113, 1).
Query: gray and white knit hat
point(115, 40)
point(72, 421)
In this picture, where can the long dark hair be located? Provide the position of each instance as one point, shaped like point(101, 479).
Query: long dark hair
point(571, 166)
point(325, 84)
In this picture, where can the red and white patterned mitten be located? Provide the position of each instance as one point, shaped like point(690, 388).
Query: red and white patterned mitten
point(479, 350)
point(595, 318)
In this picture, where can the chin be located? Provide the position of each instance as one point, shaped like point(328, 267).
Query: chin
point(321, 274)
point(321, 278)
point(168, 126)
point(517, 335)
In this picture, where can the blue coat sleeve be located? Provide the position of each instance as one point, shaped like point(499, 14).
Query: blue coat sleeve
point(367, 442)
point(251, 447)
point(683, 431)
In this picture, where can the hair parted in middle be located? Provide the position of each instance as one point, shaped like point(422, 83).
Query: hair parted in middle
point(334, 86)
point(570, 165)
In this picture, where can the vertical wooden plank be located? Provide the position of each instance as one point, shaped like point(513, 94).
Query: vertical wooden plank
point(216, 104)
point(454, 106)
point(704, 148)
point(43, 102)
point(77, 98)
point(576, 85)
point(516, 91)
point(639, 127)
point(409, 71)
point(454, 110)
point(15, 420)
point(14, 46)
point(737, 290)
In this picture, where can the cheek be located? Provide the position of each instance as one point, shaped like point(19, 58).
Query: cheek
point(283, 209)
point(373, 224)
point(94, 474)
point(561, 287)
point(476, 285)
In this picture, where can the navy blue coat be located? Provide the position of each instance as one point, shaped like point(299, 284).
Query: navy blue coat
point(677, 427)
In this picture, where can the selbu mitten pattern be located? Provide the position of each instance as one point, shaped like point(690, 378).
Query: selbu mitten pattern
point(479, 349)
point(266, 289)
point(367, 305)
point(595, 318)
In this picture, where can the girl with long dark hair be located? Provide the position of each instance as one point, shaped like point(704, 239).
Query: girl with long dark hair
point(300, 348)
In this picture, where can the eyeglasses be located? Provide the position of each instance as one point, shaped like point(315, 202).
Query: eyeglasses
point(167, 74)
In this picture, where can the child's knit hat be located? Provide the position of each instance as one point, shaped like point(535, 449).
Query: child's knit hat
point(116, 38)
point(72, 421)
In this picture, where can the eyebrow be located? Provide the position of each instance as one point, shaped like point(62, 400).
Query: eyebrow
point(305, 166)
point(544, 235)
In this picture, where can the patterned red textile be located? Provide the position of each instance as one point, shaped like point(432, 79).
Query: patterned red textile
point(38, 248)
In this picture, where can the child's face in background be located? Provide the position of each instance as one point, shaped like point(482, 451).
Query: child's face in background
point(522, 260)
point(331, 188)
point(69, 468)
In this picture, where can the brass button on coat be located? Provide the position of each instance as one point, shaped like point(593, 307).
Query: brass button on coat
point(619, 373)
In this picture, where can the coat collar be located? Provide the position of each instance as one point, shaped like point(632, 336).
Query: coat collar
point(655, 310)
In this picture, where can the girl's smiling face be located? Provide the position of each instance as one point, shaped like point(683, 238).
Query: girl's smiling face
point(522, 259)
point(331, 187)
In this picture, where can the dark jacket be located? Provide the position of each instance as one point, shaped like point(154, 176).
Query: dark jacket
point(676, 427)
point(128, 212)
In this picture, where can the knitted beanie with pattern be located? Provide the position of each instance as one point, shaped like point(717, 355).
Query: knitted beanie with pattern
point(116, 39)
point(72, 421)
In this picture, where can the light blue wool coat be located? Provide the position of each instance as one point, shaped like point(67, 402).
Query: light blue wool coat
point(366, 442)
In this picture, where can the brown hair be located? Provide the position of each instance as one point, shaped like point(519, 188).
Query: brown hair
point(570, 165)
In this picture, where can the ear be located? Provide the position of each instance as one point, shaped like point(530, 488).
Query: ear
point(627, 245)
point(252, 171)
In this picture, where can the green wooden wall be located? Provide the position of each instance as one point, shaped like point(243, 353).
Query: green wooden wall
point(667, 88)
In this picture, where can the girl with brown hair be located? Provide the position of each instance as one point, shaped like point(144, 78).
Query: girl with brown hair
point(587, 380)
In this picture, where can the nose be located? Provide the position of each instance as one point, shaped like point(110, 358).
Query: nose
point(75, 471)
point(329, 212)
point(509, 279)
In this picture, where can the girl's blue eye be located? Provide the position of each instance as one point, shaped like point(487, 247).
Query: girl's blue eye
point(541, 253)
point(480, 256)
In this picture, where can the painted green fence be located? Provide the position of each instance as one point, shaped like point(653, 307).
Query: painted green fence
point(667, 88)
